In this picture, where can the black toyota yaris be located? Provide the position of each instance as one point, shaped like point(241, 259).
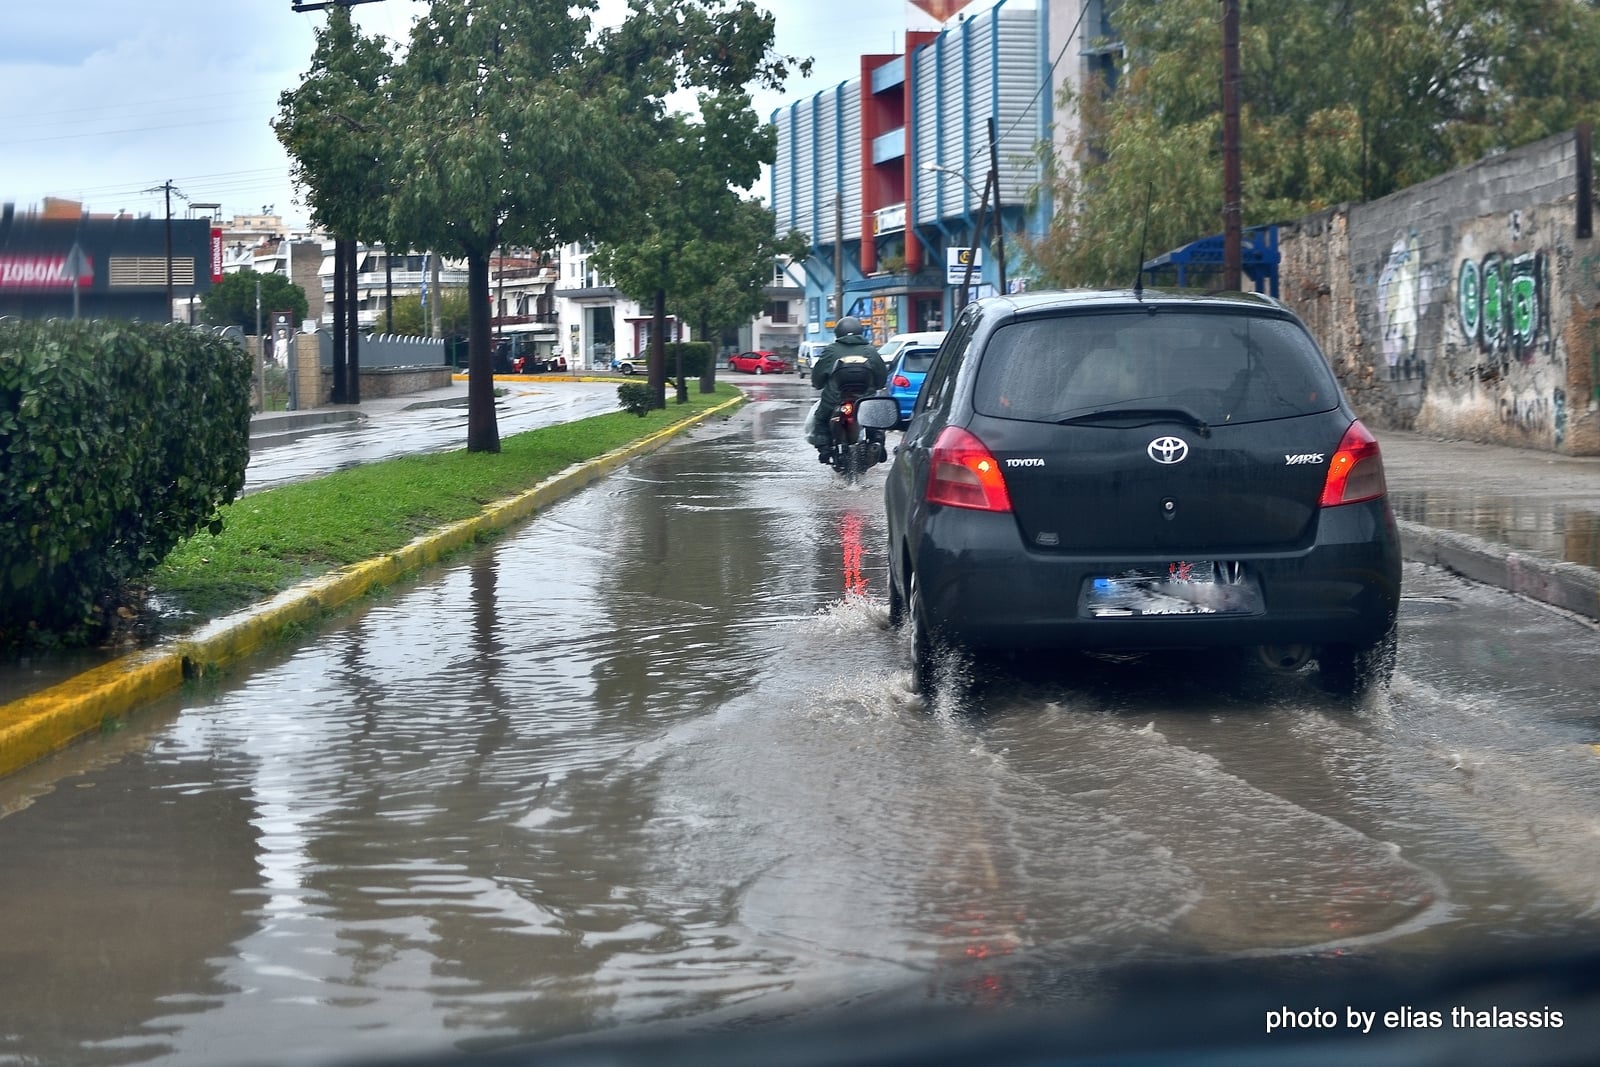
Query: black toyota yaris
point(1137, 470)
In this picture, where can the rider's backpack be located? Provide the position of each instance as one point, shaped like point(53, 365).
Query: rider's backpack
point(852, 374)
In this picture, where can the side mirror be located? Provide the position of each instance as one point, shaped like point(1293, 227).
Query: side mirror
point(878, 412)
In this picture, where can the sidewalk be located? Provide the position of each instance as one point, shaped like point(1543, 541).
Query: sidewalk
point(1522, 520)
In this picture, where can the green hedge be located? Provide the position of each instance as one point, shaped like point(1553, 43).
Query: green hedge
point(117, 440)
point(696, 356)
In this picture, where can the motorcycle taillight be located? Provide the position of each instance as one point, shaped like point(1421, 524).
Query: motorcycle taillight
point(847, 408)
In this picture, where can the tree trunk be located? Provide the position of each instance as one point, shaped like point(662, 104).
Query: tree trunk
point(483, 432)
point(708, 376)
point(352, 330)
point(658, 350)
point(340, 292)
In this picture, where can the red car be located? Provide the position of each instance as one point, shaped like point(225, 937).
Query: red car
point(758, 363)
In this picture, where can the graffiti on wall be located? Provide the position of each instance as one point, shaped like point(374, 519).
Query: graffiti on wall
point(1502, 304)
point(1400, 301)
point(1537, 416)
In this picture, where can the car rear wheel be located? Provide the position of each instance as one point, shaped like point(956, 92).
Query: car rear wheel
point(922, 645)
point(1353, 670)
point(897, 603)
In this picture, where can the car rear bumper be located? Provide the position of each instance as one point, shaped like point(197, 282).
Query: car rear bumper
point(983, 590)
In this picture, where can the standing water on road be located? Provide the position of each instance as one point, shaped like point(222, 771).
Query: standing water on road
point(654, 758)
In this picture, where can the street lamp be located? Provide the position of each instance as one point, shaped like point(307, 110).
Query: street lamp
point(940, 168)
point(977, 233)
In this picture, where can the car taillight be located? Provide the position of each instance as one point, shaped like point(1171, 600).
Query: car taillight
point(1356, 471)
point(902, 382)
point(964, 474)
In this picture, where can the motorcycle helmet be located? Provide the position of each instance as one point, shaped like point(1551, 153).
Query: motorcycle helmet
point(848, 324)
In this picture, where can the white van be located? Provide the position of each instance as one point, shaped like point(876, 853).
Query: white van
point(929, 338)
point(809, 351)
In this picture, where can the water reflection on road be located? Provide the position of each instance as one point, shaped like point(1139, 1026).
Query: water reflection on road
point(655, 757)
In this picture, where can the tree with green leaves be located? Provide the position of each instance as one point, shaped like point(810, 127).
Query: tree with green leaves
point(333, 128)
point(691, 166)
point(454, 314)
point(739, 264)
point(508, 122)
point(512, 124)
point(1340, 102)
point(504, 129)
point(232, 301)
point(696, 235)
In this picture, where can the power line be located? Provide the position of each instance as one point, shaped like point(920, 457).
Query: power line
point(116, 133)
point(187, 101)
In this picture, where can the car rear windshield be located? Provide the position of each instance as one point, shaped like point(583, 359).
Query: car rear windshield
point(918, 360)
point(1221, 367)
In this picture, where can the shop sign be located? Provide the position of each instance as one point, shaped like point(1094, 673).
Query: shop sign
point(955, 265)
point(46, 271)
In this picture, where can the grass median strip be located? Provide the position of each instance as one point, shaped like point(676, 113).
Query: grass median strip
point(280, 537)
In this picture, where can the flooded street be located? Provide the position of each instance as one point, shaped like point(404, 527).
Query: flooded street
point(654, 758)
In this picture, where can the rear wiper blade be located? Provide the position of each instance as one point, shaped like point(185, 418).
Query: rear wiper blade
point(1149, 415)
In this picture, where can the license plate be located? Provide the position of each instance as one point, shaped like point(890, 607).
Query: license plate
point(1184, 587)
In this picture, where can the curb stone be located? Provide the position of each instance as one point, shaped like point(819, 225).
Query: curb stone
point(1569, 586)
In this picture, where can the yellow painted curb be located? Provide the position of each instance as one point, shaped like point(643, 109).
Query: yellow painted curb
point(34, 726)
point(39, 724)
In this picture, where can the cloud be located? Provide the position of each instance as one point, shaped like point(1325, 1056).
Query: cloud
point(103, 99)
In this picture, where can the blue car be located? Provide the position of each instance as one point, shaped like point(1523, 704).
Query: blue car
point(910, 366)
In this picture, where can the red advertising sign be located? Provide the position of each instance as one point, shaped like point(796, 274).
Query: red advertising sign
point(941, 9)
point(216, 255)
point(48, 270)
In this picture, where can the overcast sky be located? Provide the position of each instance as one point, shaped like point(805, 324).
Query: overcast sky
point(104, 100)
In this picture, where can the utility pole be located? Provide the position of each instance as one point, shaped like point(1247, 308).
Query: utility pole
point(168, 188)
point(999, 225)
point(838, 257)
point(1232, 184)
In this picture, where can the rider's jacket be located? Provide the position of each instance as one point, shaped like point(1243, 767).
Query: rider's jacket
point(844, 355)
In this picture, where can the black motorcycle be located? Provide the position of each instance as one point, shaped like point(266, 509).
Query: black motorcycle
point(852, 449)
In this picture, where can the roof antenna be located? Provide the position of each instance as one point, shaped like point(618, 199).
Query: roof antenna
point(1138, 277)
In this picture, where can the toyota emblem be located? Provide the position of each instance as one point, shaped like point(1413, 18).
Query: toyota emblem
point(1168, 450)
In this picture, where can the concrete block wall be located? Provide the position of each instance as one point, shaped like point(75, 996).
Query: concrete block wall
point(1466, 306)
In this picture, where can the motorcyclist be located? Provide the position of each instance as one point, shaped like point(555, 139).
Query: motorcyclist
point(851, 347)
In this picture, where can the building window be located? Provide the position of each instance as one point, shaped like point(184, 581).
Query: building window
point(778, 311)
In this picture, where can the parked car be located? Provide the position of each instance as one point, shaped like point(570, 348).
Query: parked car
point(759, 363)
point(910, 366)
point(807, 357)
point(891, 348)
point(629, 365)
point(531, 364)
point(1136, 471)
